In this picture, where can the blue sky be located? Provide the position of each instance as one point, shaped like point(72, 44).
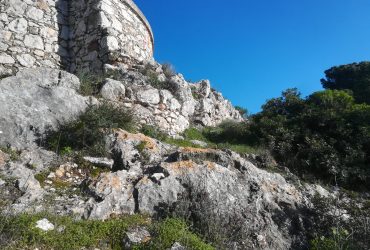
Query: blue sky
point(253, 50)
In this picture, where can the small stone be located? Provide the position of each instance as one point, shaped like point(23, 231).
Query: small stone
point(150, 96)
point(35, 13)
point(177, 246)
point(136, 236)
point(112, 43)
point(44, 225)
point(199, 143)
point(6, 59)
point(102, 162)
point(26, 60)
point(18, 25)
point(34, 41)
point(51, 175)
point(5, 35)
point(158, 176)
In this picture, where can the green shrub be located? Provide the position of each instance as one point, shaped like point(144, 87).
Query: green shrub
point(243, 111)
point(168, 70)
point(153, 132)
point(14, 155)
point(91, 83)
point(325, 136)
point(87, 133)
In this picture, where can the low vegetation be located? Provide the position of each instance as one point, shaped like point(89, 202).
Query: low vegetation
point(154, 80)
point(19, 232)
point(172, 230)
point(324, 137)
point(341, 223)
point(87, 133)
point(91, 84)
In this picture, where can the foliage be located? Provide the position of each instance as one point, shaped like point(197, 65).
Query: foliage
point(353, 77)
point(172, 230)
point(154, 80)
point(153, 132)
point(243, 111)
point(19, 232)
point(340, 223)
point(168, 70)
point(228, 132)
point(88, 131)
point(324, 136)
point(91, 84)
point(338, 240)
point(14, 155)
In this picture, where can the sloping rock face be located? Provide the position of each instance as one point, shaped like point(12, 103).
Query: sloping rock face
point(218, 190)
point(167, 100)
point(36, 100)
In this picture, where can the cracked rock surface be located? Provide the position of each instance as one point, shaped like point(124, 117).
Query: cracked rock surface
point(208, 185)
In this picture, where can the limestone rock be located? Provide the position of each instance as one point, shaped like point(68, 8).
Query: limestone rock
point(44, 225)
point(34, 42)
point(177, 246)
point(136, 236)
point(34, 101)
point(148, 96)
point(113, 90)
point(100, 162)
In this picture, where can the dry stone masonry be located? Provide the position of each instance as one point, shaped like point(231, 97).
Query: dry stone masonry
point(74, 35)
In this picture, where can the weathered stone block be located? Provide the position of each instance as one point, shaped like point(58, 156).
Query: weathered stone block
point(34, 41)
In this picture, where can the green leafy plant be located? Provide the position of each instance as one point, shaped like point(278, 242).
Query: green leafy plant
point(87, 133)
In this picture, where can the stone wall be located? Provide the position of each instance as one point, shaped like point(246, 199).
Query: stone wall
point(33, 33)
point(108, 31)
point(75, 35)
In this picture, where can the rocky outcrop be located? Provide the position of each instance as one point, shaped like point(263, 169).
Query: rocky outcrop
point(34, 101)
point(217, 189)
point(167, 101)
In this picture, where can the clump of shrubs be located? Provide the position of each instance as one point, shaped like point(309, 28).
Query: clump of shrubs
point(91, 84)
point(153, 77)
point(87, 133)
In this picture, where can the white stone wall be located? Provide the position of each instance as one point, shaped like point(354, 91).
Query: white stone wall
point(127, 33)
point(77, 35)
point(108, 31)
point(32, 34)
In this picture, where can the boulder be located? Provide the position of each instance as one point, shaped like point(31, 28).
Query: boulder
point(113, 90)
point(135, 236)
point(35, 101)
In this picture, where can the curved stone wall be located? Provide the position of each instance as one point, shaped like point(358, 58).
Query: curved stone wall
point(77, 35)
point(108, 31)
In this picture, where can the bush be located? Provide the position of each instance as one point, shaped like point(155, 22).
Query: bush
point(91, 84)
point(153, 132)
point(87, 133)
point(168, 70)
point(228, 132)
point(242, 111)
point(325, 136)
point(340, 223)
